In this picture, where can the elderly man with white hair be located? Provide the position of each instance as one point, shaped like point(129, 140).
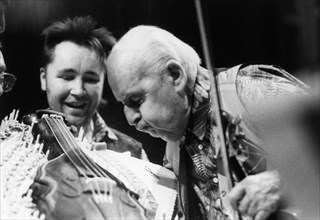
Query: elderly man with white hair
point(166, 93)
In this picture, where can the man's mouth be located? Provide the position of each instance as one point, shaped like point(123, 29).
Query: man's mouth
point(76, 105)
point(143, 129)
point(147, 129)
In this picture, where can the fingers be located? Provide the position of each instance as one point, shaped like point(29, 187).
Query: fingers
point(255, 196)
point(236, 194)
point(244, 205)
point(262, 214)
point(249, 204)
point(253, 208)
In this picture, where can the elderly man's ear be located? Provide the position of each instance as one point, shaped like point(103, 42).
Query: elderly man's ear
point(178, 74)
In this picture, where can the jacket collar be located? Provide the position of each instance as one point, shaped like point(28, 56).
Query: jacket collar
point(200, 104)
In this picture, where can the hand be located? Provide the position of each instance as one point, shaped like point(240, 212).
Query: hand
point(257, 195)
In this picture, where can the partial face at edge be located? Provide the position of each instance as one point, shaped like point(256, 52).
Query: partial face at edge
point(3, 6)
point(151, 103)
point(2, 69)
point(73, 82)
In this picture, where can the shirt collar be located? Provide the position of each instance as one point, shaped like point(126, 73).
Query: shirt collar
point(101, 129)
point(200, 104)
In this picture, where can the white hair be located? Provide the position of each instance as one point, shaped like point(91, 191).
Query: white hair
point(149, 45)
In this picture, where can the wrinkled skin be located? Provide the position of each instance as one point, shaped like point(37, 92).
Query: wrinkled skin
point(257, 195)
point(156, 103)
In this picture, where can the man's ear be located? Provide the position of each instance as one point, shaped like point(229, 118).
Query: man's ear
point(43, 79)
point(178, 74)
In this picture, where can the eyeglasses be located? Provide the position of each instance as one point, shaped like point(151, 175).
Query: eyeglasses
point(7, 81)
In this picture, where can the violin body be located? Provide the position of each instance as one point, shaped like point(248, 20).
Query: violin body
point(71, 186)
point(61, 193)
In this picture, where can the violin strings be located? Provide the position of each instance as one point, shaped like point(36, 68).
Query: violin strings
point(60, 144)
point(81, 157)
point(60, 125)
point(103, 172)
point(96, 197)
point(87, 162)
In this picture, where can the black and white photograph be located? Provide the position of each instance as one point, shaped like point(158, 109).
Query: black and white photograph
point(160, 109)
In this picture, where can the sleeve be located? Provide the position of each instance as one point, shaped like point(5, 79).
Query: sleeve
point(265, 84)
point(263, 90)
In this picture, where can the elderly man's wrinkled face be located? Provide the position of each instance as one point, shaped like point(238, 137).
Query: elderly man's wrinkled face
point(151, 103)
point(73, 82)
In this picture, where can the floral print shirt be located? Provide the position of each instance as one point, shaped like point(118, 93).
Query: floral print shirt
point(255, 84)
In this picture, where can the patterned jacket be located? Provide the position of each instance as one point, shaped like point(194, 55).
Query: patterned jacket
point(242, 88)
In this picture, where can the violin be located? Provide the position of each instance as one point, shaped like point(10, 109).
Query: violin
point(72, 186)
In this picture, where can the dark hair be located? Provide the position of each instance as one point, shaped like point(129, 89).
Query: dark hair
point(5, 2)
point(81, 31)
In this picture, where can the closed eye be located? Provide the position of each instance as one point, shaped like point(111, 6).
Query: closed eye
point(91, 78)
point(134, 101)
point(67, 77)
point(67, 74)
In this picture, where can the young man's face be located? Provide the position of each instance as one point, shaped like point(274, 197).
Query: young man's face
point(73, 82)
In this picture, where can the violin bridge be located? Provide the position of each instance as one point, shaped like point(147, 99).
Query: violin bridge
point(100, 188)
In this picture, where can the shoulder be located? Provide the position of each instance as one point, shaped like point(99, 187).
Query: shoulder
point(261, 83)
point(258, 86)
point(269, 74)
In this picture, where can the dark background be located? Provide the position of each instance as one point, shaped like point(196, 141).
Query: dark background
point(281, 32)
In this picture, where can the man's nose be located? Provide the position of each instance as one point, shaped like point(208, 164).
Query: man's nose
point(78, 88)
point(133, 115)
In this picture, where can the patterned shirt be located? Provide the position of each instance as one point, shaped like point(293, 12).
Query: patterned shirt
point(115, 139)
point(255, 84)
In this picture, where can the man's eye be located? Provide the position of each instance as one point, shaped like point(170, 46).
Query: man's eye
point(67, 76)
point(135, 102)
point(92, 79)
